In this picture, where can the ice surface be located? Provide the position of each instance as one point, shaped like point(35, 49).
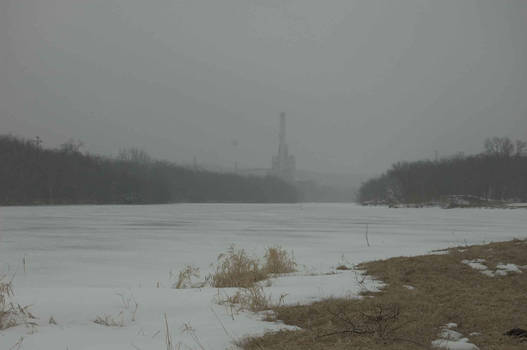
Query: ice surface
point(72, 261)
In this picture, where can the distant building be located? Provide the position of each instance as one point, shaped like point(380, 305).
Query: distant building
point(284, 164)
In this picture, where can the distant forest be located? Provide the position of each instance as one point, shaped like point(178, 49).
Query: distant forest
point(31, 174)
point(498, 173)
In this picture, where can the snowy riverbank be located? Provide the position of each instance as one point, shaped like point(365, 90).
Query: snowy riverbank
point(71, 263)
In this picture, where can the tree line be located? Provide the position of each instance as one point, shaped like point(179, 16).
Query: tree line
point(497, 173)
point(31, 174)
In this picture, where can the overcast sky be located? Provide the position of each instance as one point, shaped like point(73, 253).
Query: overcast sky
point(364, 83)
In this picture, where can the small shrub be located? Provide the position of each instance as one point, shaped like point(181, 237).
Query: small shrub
point(278, 260)
point(236, 269)
point(343, 268)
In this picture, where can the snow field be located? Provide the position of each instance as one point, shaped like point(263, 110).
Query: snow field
point(77, 263)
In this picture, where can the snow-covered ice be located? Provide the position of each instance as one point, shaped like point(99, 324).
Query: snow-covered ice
point(72, 262)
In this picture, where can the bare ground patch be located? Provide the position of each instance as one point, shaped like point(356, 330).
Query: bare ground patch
point(421, 296)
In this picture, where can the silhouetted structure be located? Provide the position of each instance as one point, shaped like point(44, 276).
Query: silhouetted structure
point(284, 164)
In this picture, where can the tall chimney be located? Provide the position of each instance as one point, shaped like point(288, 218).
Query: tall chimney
point(282, 148)
point(282, 128)
point(283, 163)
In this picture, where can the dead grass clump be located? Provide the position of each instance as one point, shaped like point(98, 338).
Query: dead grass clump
point(250, 299)
point(344, 264)
point(127, 313)
point(11, 314)
point(110, 321)
point(184, 278)
point(237, 269)
point(278, 261)
point(6, 308)
point(6, 291)
point(444, 291)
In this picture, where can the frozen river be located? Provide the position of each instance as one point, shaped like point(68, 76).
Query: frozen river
point(139, 244)
point(76, 258)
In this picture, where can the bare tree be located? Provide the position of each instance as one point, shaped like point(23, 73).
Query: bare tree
point(71, 146)
point(521, 148)
point(499, 146)
point(135, 155)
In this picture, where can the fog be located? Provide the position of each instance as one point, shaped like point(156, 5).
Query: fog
point(363, 83)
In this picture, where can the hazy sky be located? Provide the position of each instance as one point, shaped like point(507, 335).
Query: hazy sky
point(364, 83)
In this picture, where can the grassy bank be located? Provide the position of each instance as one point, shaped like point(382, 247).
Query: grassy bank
point(421, 296)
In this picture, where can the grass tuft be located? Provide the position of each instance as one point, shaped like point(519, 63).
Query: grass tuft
point(184, 278)
point(278, 261)
point(249, 299)
point(237, 269)
point(12, 315)
point(110, 321)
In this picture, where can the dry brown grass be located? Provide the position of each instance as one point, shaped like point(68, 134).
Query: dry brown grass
point(237, 269)
point(6, 309)
point(445, 290)
point(252, 299)
point(279, 261)
point(12, 314)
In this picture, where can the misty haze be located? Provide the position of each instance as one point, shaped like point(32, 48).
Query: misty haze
point(263, 174)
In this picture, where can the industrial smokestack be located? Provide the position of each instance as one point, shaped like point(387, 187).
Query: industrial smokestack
point(282, 128)
point(283, 163)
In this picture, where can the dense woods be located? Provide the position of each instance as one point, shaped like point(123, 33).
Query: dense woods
point(30, 174)
point(498, 173)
